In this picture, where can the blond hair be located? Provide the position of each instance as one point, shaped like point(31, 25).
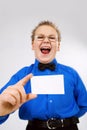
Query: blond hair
point(49, 23)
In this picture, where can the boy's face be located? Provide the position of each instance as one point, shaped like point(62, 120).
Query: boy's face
point(45, 44)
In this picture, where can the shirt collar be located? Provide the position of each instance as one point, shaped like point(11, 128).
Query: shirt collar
point(53, 61)
point(36, 71)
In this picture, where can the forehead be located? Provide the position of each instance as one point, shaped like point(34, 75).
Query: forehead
point(46, 29)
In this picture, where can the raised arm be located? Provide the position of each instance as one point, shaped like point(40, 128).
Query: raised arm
point(14, 96)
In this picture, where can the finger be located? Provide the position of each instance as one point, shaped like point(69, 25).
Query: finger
point(22, 94)
point(14, 95)
point(25, 79)
point(30, 96)
point(9, 98)
point(12, 100)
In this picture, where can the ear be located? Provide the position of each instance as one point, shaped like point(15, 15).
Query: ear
point(33, 48)
point(58, 47)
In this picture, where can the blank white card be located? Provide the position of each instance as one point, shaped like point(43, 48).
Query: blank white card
point(51, 84)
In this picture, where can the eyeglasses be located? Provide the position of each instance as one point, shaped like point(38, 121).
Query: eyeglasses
point(51, 38)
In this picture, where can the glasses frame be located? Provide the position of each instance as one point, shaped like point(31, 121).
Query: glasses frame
point(41, 37)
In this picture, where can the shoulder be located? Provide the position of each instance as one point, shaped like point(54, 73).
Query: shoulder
point(69, 73)
point(24, 71)
point(67, 69)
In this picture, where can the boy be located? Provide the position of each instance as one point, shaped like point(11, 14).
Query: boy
point(45, 111)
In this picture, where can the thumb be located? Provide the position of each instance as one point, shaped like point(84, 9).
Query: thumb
point(25, 79)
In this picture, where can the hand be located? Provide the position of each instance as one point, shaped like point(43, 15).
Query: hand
point(14, 96)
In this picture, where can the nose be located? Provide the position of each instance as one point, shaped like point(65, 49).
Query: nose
point(46, 39)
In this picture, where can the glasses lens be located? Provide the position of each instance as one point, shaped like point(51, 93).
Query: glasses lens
point(39, 38)
point(52, 38)
point(42, 37)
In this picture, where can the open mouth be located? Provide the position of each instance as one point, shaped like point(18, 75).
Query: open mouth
point(45, 50)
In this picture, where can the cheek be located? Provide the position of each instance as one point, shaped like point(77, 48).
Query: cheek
point(34, 46)
point(55, 48)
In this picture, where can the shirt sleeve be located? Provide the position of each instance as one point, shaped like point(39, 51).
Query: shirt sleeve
point(80, 95)
point(14, 79)
point(3, 119)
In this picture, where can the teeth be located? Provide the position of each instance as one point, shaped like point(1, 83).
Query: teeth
point(45, 48)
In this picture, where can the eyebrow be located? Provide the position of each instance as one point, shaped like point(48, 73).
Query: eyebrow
point(48, 35)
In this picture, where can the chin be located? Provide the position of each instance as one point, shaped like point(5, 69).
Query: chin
point(45, 60)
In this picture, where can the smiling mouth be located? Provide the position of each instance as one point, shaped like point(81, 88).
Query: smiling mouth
point(45, 50)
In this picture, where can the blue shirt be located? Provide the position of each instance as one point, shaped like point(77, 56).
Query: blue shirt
point(72, 103)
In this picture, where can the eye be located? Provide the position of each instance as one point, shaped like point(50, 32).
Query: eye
point(40, 37)
point(52, 38)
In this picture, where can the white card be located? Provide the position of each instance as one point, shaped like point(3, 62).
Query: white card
point(51, 84)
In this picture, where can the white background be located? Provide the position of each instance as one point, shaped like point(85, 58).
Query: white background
point(19, 17)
